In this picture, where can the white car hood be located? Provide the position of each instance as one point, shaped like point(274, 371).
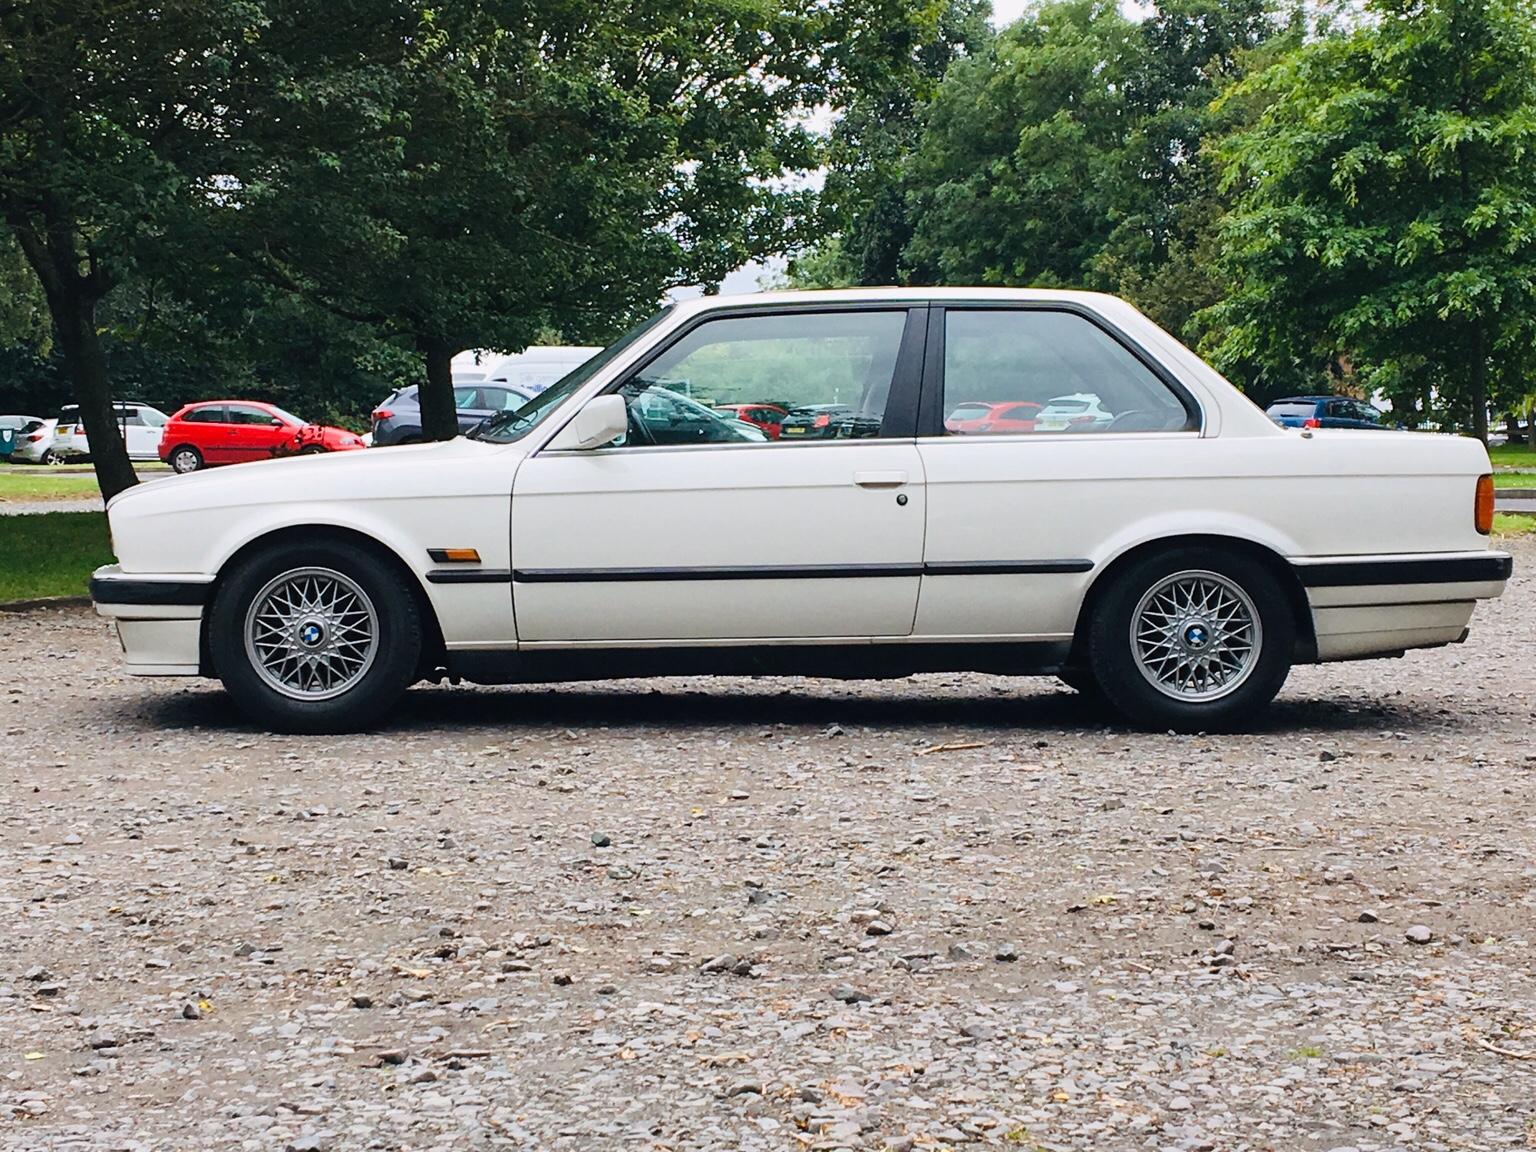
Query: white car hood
point(454, 467)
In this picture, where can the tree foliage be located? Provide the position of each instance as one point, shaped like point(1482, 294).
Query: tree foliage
point(1383, 214)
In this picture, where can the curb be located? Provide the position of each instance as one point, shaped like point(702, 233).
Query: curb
point(45, 602)
point(1514, 493)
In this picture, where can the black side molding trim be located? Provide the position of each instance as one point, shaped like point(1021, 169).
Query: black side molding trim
point(469, 576)
point(1453, 570)
point(151, 592)
point(1005, 567)
point(795, 571)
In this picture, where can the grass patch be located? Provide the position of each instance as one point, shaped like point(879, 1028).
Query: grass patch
point(51, 554)
point(43, 486)
point(1513, 524)
point(1513, 456)
point(1514, 480)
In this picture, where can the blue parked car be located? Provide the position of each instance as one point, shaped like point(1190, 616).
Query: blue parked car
point(1325, 412)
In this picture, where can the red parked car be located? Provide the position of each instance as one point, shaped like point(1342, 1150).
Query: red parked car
point(214, 432)
point(768, 417)
point(982, 417)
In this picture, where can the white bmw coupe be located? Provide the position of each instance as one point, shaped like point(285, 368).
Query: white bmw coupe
point(1176, 554)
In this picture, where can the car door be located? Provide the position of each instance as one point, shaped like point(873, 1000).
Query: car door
point(203, 427)
point(144, 429)
point(1015, 519)
point(254, 433)
point(664, 534)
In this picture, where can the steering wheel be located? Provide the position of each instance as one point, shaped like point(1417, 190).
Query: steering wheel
point(638, 433)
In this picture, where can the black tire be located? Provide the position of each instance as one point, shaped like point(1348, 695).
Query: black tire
point(1081, 681)
point(184, 458)
point(1117, 669)
point(381, 683)
point(311, 450)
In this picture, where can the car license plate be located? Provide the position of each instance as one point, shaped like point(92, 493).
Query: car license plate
point(794, 431)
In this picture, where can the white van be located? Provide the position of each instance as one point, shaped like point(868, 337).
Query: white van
point(530, 371)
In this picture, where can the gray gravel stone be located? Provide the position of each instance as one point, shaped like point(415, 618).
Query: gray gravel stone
point(509, 976)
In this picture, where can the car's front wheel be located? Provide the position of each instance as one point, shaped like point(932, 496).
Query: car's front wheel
point(186, 459)
point(320, 637)
point(1193, 639)
point(311, 450)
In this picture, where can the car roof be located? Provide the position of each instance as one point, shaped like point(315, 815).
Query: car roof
point(895, 296)
point(1306, 399)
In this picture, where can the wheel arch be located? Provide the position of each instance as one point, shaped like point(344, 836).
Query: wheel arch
point(433, 650)
point(1273, 561)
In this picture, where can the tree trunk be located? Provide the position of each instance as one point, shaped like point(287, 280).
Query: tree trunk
point(72, 298)
point(1530, 425)
point(439, 414)
point(87, 365)
point(1479, 385)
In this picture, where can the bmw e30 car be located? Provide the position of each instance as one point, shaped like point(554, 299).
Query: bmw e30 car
point(1168, 554)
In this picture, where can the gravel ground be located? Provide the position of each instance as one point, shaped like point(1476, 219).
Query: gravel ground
point(763, 914)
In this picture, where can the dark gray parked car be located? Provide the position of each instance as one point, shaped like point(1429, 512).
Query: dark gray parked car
point(398, 419)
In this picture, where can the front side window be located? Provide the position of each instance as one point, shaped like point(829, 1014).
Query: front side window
point(246, 414)
point(831, 370)
point(1037, 370)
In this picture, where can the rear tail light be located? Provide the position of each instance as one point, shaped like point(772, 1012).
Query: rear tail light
point(823, 420)
point(1311, 422)
point(35, 437)
point(382, 414)
point(1081, 420)
point(1482, 505)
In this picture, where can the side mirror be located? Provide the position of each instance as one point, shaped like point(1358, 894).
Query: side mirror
point(277, 422)
point(602, 420)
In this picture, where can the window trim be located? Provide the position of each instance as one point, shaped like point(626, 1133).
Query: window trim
point(930, 416)
point(899, 421)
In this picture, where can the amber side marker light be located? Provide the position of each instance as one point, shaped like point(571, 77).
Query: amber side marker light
point(1482, 506)
point(454, 555)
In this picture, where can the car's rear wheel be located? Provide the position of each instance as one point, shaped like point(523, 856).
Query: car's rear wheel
point(311, 450)
point(320, 637)
point(185, 458)
point(1193, 639)
point(1081, 681)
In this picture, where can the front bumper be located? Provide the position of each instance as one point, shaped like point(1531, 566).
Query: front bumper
point(159, 618)
point(1365, 606)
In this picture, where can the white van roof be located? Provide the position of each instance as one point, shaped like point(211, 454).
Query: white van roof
point(484, 364)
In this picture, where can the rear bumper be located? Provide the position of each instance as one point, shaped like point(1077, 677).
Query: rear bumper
point(1383, 605)
point(159, 618)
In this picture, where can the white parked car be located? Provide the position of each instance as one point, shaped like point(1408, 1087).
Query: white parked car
point(1080, 412)
point(1179, 558)
point(34, 441)
point(25, 434)
point(139, 425)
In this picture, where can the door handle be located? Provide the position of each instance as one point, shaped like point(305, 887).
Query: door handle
point(879, 479)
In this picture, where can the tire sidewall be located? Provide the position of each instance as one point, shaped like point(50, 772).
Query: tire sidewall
point(1114, 664)
point(394, 665)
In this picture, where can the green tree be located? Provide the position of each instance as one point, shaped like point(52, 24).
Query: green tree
point(110, 114)
point(527, 166)
point(863, 200)
point(1384, 205)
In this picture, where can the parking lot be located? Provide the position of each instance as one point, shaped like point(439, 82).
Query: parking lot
point(764, 914)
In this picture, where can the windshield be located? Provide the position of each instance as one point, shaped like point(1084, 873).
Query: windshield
point(506, 427)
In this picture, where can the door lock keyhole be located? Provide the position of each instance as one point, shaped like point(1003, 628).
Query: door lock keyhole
point(902, 500)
